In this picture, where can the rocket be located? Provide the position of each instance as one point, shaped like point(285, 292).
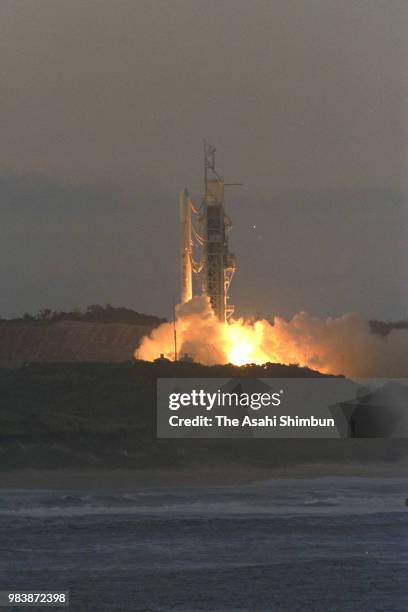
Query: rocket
point(185, 247)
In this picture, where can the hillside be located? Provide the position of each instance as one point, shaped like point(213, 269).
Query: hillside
point(65, 341)
point(103, 416)
point(101, 334)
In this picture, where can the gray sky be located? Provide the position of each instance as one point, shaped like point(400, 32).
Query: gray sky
point(103, 109)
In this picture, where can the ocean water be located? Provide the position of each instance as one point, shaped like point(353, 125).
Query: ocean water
point(321, 545)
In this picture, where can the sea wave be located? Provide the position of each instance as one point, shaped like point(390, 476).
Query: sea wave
point(272, 498)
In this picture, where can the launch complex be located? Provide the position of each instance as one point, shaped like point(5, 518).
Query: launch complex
point(208, 236)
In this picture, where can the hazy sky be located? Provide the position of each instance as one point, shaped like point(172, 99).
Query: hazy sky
point(103, 109)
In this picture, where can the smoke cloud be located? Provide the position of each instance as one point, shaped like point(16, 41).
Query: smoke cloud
point(341, 345)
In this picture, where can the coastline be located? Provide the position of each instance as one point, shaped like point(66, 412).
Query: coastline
point(195, 476)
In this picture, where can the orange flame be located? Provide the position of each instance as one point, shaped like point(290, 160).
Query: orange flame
point(335, 345)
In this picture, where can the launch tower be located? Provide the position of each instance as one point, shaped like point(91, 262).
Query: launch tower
point(216, 264)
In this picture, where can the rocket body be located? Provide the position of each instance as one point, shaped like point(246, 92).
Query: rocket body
point(185, 247)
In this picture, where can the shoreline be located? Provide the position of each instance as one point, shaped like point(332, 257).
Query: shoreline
point(195, 476)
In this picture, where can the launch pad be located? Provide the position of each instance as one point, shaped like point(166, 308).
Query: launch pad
point(216, 264)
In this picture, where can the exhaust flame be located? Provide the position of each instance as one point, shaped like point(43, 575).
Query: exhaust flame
point(343, 345)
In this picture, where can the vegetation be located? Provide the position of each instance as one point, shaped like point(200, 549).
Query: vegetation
point(92, 314)
point(383, 328)
point(103, 416)
point(96, 313)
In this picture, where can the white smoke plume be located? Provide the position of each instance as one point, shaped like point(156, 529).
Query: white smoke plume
point(342, 345)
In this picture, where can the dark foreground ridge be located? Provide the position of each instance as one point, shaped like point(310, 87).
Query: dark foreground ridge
point(102, 416)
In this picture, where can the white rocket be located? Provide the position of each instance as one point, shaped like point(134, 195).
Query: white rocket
point(185, 247)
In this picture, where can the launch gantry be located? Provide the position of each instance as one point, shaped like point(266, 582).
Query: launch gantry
point(216, 264)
